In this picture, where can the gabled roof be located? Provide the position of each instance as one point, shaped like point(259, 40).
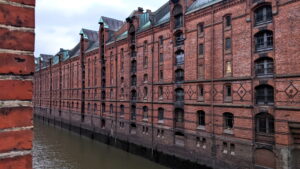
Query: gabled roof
point(89, 34)
point(110, 23)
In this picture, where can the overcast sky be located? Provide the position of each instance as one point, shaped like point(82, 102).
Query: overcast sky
point(58, 22)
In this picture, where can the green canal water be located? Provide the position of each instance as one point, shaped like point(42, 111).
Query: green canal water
point(55, 148)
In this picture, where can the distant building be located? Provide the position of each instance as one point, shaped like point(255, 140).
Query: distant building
point(216, 82)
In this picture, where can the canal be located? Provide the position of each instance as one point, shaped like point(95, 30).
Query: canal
point(56, 148)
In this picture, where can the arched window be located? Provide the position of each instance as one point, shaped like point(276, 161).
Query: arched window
point(264, 40)
point(178, 16)
point(160, 114)
point(179, 40)
point(263, 14)
point(122, 110)
point(133, 95)
point(228, 120)
point(201, 118)
point(179, 75)
point(145, 112)
point(133, 66)
point(264, 66)
point(133, 80)
point(264, 123)
point(133, 112)
point(179, 57)
point(264, 95)
point(179, 94)
point(122, 92)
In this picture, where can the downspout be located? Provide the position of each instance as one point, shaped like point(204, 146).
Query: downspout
point(116, 86)
point(152, 92)
point(50, 60)
point(212, 89)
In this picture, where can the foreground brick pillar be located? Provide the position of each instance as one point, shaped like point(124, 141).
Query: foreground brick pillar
point(16, 74)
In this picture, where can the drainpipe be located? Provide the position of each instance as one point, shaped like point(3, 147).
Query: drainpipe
point(212, 89)
point(152, 91)
point(116, 86)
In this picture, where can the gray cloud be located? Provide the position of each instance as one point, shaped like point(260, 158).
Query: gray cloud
point(58, 22)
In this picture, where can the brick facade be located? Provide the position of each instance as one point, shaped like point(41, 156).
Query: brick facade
point(216, 82)
point(16, 75)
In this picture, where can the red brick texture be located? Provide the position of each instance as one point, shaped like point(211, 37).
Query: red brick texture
point(17, 23)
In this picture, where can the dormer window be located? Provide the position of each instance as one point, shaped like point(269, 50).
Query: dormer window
point(178, 16)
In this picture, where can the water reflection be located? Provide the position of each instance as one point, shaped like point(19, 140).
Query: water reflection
point(55, 148)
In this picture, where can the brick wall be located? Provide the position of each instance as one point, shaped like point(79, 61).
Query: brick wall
point(16, 72)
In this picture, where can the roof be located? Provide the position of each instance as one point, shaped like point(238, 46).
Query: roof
point(200, 4)
point(89, 34)
point(110, 23)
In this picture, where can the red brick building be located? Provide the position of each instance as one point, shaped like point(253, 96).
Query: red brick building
point(215, 82)
point(16, 75)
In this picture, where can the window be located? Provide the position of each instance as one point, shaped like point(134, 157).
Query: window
point(161, 57)
point(160, 92)
point(179, 75)
point(133, 80)
point(200, 93)
point(145, 78)
point(201, 118)
point(145, 92)
point(122, 80)
point(200, 71)
point(111, 109)
point(133, 112)
point(264, 95)
point(145, 112)
point(228, 93)
point(161, 114)
point(201, 49)
point(122, 92)
point(122, 110)
point(133, 66)
point(263, 15)
point(228, 20)
point(133, 95)
point(95, 107)
point(178, 16)
point(179, 57)
point(228, 44)
point(201, 28)
point(131, 33)
point(179, 94)
point(228, 120)
point(179, 40)
point(228, 69)
point(179, 113)
point(145, 61)
point(161, 74)
point(103, 107)
point(161, 40)
point(103, 95)
point(264, 123)
point(264, 66)
point(263, 40)
point(111, 93)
